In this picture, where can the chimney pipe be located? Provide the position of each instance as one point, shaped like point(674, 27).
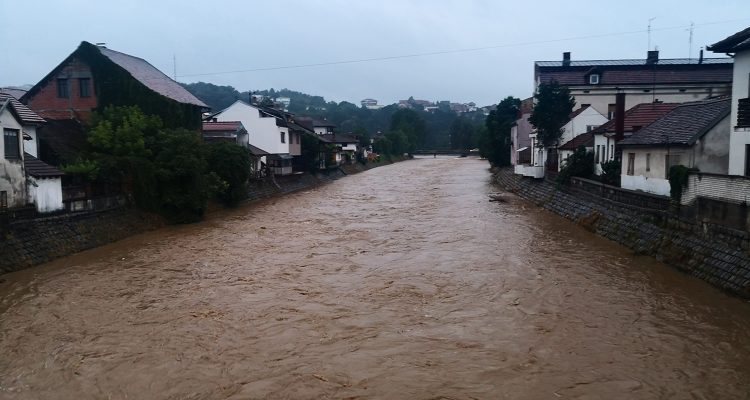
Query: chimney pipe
point(566, 58)
point(700, 57)
point(652, 56)
point(619, 116)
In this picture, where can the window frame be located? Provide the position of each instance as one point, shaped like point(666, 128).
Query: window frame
point(63, 94)
point(631, 164)
point(594, 79)
point(87, 87)
point(283, 137)
point(7, 132)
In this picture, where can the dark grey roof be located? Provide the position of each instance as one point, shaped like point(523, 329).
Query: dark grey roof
point(257, 151)
point(22, 112)
point(150, 76)
point(338, 138)
point(640, 61)
point(683, 125)
point(737, 42)
point(38, 168)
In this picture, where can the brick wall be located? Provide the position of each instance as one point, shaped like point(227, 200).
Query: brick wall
point(47, 103)
point(717, 254)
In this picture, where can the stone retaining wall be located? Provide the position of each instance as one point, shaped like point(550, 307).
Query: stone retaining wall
point(714, 253)
point(28, 242)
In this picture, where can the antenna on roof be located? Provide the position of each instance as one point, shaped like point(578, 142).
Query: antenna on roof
point(101, 44)
point(174, 66)
point(649, 32)
point(690, 42)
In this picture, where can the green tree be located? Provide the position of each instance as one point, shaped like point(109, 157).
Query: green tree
point(494, 143)
point(554, 103)
point(231, 163)
point(580, 164)
point(462, 134)
point(412, 125)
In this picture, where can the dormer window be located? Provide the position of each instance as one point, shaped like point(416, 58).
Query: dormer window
point(594, 79)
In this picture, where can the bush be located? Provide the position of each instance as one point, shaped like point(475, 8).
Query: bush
point(580, 164)
point(611, 171)
point(231, 164)
point(678, 180)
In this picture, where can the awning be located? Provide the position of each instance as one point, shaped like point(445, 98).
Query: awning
point(521, 149)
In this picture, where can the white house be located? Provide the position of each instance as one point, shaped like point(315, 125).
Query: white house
point(739, 138)
point(25, 180)
point(267, 130)
point(582, 120)
point(695, 135)
point(520, 143)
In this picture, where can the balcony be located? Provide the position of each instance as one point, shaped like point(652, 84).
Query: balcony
point(743, 113)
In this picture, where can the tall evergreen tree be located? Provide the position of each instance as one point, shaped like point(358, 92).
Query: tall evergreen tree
point(494, 143)
point(554, 103)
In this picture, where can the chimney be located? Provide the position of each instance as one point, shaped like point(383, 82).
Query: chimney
point(566, 59)
point(619, 116)
point(700, 57)
point(652, 57)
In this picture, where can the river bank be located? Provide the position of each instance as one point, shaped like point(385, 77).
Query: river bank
point(29, 242)
point(715, 254)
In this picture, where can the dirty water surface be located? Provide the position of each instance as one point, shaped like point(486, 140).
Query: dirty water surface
point(402, 282)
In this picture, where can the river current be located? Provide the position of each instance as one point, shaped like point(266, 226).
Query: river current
point(402, 282)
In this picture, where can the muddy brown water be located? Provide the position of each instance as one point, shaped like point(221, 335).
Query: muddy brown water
point(403, 282)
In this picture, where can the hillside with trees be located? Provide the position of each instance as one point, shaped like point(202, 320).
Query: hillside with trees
point(434, 132)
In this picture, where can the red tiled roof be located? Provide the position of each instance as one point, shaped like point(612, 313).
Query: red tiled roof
point(577, 112)
point(639, 116)
point(585, 140)
point(22, 112)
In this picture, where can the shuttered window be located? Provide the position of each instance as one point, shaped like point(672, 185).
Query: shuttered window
point(12, 144)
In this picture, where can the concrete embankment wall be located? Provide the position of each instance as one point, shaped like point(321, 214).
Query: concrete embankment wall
point(32, 241)
point(714, 253)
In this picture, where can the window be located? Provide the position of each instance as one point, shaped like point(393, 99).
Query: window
point(62, 88)
point(648, 162)
point(84, 87)
point(296, 138)
point(283, 139)
point(611, 111)
point(590, 128)
point(594, 79)
point(597, 153)
point(646, 90)
point(631, 163)
point(12, 145)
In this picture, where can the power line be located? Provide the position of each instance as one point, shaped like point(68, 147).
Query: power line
point(456, 51)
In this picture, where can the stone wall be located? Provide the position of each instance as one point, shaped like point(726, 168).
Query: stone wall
point(714, 253)
point(28, 242)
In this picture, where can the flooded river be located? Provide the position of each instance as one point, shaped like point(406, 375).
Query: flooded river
point(402, 282)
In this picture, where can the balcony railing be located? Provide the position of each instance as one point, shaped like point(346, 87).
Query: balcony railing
point(743, 113)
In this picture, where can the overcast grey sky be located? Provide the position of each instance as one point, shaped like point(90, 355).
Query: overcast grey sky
point(222, 36)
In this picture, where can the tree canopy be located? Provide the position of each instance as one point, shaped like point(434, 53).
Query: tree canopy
point(554, 103)
point(494, 140)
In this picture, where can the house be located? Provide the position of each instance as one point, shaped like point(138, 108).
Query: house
point(25, 179)
point(520, 151)
point(695, 135)
point(739, 138)
point(634, 119)
point(346, 147)
point(94, 76)
point(268, 130)
point(235, 132)
point(596, 83)
point(580, 121)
